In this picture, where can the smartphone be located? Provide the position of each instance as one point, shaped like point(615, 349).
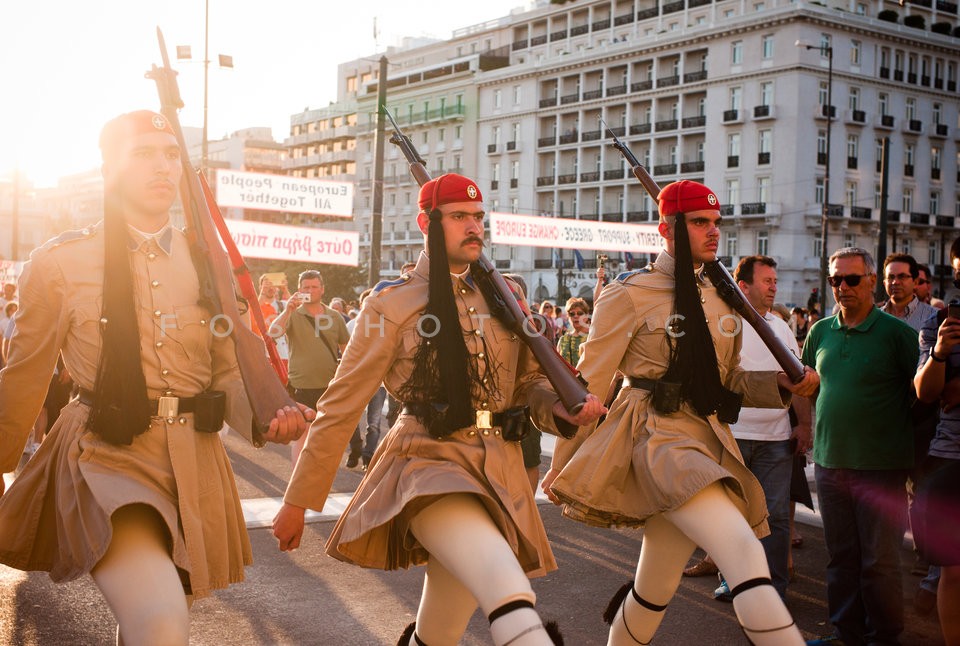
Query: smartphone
point(277, 278)
point(953, 310)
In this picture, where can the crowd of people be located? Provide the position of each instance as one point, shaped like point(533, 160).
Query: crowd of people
point(690, 427)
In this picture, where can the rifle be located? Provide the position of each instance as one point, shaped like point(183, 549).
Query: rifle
point(728, 290)
point(217, 294)
point(504, 305)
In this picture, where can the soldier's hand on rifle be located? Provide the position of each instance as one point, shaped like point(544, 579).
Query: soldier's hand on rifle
point(592, 409)
point(289, 424)
point(288, 527)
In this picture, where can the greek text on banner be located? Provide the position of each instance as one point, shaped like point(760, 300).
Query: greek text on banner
point(281, 193)
point(304, 244)
point(564, 233)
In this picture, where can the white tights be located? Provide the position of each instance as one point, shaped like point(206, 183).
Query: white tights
point(712, 521)
point(471, 563)
point(140, 583)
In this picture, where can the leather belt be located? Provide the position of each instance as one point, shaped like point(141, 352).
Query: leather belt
point(485, 419)
point(163, 406)
point(639, 382)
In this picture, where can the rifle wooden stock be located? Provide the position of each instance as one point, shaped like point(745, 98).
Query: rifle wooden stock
point(567, 383)
point(723, 281)
point(730, 292)
point(264, 391)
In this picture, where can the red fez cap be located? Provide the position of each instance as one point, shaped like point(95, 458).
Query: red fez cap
point(686, 196)
point(447, 189)
point(131, 124)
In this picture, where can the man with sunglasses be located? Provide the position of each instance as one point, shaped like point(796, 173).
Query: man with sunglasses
point(901, 274)
point(863, 450)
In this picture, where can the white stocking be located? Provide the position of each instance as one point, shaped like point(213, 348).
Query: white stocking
point(140, 582)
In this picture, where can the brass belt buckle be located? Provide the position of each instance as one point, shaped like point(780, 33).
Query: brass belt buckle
point(484, 420)
point(168, 406)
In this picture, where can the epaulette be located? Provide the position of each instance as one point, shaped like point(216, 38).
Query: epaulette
point(71, 236)
point(386, 285)
point(622, 278)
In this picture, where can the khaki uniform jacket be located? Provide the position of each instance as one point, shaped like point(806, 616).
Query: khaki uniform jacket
point(56, 515)
point(638, 462)
point(411, 468)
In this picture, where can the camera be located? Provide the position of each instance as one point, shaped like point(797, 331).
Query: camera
point(304, 298)
point(953, 309)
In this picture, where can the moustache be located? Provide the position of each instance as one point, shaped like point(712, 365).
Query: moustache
point(472, 240)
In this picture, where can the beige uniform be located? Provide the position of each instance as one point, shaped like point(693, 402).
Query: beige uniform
point(411, 468)
point(639, 463)
point(56, 515)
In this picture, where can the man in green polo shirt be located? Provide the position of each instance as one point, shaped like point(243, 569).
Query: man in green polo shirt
point(863, 448)
point(316, 335)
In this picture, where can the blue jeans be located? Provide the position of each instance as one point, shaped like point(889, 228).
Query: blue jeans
point(864, 516)
point(772, 464)
point(366, 446)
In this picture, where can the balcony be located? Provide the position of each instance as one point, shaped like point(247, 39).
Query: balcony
point(625, 19)
point(591, 135)
point(538, 40)
point(732, 116)
point(939, 130)
point(558, 35)
point(913, 126)
point(925, 81)
point(549, 102)
point(856, 117)
point(616, 90)
point(569, 138)
point(948, 7)
point(666, 124)
point(579, 30)
point(726, 210)
point(908, 170)
point(693, 77)
point(638, 216)
point(886, 121)
point(589, 216)
point(590, 177)
point(692, 167)
point(898, 75)
point(547, 141)
point(611, 217)
point(643, 14)
point(639, 128)
point(922, 219)
point(912, 78)
point(569, 98)
point(860, 212)
point(935, 174)
point(491, 148)
point(884, 72)
point(762, 112)
point(763, 158)
point(494, 184)
point(567, 179)
point(668, 81)
point(617, 173)
point(694, 122)
point(600, 24)
point(514, 182)
point(822, 110)
point(542, 263)
point(619, 131)
point(733, 161)
point(951, 86)
point(590, 95)
point(511, 146)
point(641, 86)
point(753, 208)
point(938, 83)
point(945, 221)
point(672, 7)
point(834, 210)
point(546, 180)
point(697, 3)
point(502, 263)
point(664, 169)
point(519, 44)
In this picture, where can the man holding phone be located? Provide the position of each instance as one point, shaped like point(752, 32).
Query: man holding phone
point(316, 336)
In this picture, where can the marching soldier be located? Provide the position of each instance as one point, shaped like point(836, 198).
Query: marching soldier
point(664, 457)
point(446, 487)
point(132, 484)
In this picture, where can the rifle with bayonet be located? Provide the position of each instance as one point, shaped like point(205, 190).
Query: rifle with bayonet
point(265, 392)
point(728, 290)
point(566, 381)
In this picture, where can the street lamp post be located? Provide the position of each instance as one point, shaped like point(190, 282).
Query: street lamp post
point(825, 211)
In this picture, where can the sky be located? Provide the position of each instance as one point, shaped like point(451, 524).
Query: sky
point(66, 67)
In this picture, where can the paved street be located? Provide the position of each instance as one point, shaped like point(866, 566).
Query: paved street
point(309, 598)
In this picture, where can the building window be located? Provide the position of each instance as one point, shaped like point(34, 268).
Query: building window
point(496, 172)
point(851, 194)
point(441, 133)
point(907, 201)
point(516, 132)
point(936, 155)
point(736, 98)
point(934, 203)
point(730, 244)
point(906, 245)
point(733, 192)
point(821, 145)
point(514, 205)
point(766, 93)
point(765, 145)
point(849, 240)
point(736, 53)
point(855, 53)
point(884, 100)
point(515, 170)
point(937, 113)
point(911, 112)
point(817, 245)
point(822, 91)
point(458, 132)
point(517, 93)
point(818, 191)
point(854, 97)
point(933, 253)
point(497, 99)
point(766, 47)
point(763, 189)
point(877, 196)
point(763, 243)
point(733, 144)
point(853, 146)
point(908, 152)
point(496, 136)
point(825, 43)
